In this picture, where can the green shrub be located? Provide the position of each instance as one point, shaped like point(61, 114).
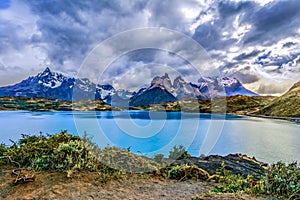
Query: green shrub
point(73, 156)
point(3, 149)
point(38, 151)
point(230, 183)
point(178, 153)
point(159, 158)
point(283, 180)
point(61, 151)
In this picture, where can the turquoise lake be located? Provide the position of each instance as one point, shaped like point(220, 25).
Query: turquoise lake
point(149, 133)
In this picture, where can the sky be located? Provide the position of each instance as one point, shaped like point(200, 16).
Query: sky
point(256, 41)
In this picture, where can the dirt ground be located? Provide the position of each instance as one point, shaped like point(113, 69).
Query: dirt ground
point(88, 185)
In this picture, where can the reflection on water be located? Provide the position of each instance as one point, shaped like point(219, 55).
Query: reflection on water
point(156, 132)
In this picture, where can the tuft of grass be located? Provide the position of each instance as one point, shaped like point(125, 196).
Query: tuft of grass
point(125, 161)
point(187, 172)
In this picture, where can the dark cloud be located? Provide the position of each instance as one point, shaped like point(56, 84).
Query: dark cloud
point(10, 38)
point(276, 60)
point(72, 28)
point(229, 8)
point(210, 35)
point(289, 44)
point(273, 22)
point(244, 56)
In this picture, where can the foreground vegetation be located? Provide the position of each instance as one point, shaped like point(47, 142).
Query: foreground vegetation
point(71, 154)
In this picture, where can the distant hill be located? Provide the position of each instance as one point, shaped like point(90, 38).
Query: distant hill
point(288, 105)
point(234, 104)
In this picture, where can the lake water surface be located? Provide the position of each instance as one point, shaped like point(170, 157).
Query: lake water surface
point(148, 133)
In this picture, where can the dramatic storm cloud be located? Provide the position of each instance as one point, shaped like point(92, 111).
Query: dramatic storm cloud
point(255, 41)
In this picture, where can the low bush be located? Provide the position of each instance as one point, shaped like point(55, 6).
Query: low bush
point(3, 149)
point(62, 152)
point(282, 181)
point(159, 158)
point(178, 153)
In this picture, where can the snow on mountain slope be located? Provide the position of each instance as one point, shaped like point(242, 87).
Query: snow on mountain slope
point(207, 87)
point(56, 85)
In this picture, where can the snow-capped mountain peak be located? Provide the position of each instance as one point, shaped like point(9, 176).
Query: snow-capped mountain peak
point(49, 78)
point(163, 82)
point(227, 81)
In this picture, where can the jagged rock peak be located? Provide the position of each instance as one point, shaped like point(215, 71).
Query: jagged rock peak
point(179, 78)
point(161, 80)
point(206, 79)
point(178, 81)
point(46, 72)
point(166, 75)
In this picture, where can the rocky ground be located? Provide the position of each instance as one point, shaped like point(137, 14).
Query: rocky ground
point(93, 185)
point(236, 163)
point(88, 185)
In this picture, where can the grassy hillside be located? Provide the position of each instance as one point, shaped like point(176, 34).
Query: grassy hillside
point(288, 105)
point(234, 104)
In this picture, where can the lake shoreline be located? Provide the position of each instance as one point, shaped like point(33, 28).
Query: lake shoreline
point(292, 119)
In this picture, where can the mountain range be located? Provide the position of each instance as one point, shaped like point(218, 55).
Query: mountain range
point(51, 84)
